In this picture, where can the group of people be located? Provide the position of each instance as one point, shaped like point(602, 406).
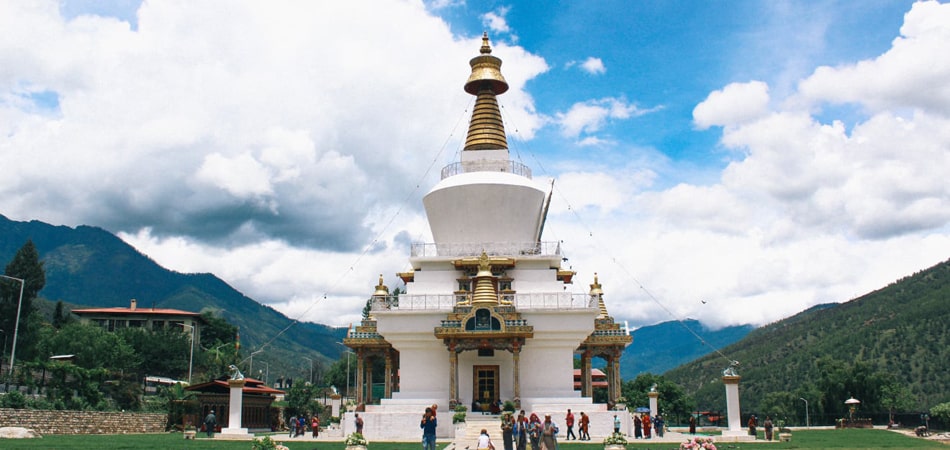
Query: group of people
point(298, 426)
point(644, 426)
point(520, 432)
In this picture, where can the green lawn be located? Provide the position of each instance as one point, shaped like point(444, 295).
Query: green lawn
point(823, 439)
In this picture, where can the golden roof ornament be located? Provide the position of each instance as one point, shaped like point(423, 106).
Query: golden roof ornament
point(381, 289)
point(596, 290)
point(486, 131)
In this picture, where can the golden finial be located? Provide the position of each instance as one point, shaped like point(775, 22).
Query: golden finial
point(486, 131)
point(597, 291)
point(381, 289)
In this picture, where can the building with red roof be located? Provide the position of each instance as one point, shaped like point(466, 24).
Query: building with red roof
point(257, 414)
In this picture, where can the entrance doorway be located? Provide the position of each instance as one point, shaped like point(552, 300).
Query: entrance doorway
point(486, 387)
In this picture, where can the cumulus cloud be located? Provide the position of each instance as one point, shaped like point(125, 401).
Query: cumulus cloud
point(496, 21)
point(914, 73)
point(592, 65)
point(592, 115)
point(734, 104)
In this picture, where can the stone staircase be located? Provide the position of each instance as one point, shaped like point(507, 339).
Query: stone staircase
point(474, 423)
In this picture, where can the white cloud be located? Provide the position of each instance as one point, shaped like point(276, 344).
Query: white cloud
point(496, 21)
point(592, 115)
point(593, 66)
point(914, 73)
point(734, 104)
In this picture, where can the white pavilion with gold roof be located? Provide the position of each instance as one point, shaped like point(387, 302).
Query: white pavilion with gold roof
point(487, 315)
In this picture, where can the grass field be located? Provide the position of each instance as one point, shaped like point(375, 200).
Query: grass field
point(824, 439)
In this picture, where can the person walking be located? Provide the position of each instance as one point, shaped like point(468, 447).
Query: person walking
point(548, 434)
point(521, 431)
point(428, 425)
point(315, 426)
point(752, 423)
point(692, 424)
point(637, 427)
point(658, 425)
point(534, 432)
point(507, 430)
point(292, 424)
point(359, 424)
point(569, 421)
point(210, 423)
point(768, 428)
point(647, 425)
point(585, 427)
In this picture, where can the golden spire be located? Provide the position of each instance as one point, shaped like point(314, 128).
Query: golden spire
point(486, 131)
point(484, 292)
point(597, 291)
point(381, 289)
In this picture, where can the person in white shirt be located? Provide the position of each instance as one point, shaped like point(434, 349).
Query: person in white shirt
point(484, 441)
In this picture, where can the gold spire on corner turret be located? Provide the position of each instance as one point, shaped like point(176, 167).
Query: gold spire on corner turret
point(381, 289)
point(596, 290)
point(486, 131)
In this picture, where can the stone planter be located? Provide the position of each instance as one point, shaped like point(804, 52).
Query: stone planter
point(785, 437)
point(615, 447)
point(355, 447)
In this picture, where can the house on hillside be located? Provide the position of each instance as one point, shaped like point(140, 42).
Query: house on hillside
point(112, 319)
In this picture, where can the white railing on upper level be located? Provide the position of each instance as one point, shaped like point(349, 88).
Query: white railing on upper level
point(487, 165)
point(445, 302)
point(519, 249)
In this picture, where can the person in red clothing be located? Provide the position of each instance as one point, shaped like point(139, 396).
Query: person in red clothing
point(569, 421)
point(647, 425)
point(315, 425)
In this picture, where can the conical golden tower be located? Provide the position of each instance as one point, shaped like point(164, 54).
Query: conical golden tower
point(486, 131)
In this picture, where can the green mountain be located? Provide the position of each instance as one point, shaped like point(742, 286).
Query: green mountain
point(893, 343)
point(91, 267)
point(661, 347)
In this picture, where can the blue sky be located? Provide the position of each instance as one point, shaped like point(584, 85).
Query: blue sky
point(762, 157)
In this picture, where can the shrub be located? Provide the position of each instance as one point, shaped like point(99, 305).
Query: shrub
point(615, 439)
point(355, 439)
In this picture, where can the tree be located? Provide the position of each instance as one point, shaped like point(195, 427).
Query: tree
point(61, 316)
point(25, 265)
point(942, 412)
point(92, 346)
point(216, 330)
point(163, 352)
point(301, 400)
point(673, 403)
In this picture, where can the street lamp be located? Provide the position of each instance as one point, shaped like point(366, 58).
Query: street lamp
point(265, 372)
point(311, 368)
point(191, 353)
point(806, 410)
point(16, 325)
point(348, 353)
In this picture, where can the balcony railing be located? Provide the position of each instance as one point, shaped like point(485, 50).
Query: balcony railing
point(486, 166)
point(445, 302)
point(522, 249)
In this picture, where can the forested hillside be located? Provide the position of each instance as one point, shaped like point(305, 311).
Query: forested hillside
point(661, 347)
point(889, 348)
point(91, 267)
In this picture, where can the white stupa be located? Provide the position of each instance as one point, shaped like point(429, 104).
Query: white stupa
point(488, 315)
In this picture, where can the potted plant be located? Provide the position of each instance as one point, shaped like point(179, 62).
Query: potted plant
point(355, 441)
point(621, 403)
point(784, 433)
point(459, 416)
point(616, 441)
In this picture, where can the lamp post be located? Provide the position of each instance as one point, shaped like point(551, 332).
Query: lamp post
point(3, 351)
point(806, 410)
point(265, 372)
point(191, 353)
point(250, 364)
point(311, 368)
point(348, 353)
point(16, 325)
